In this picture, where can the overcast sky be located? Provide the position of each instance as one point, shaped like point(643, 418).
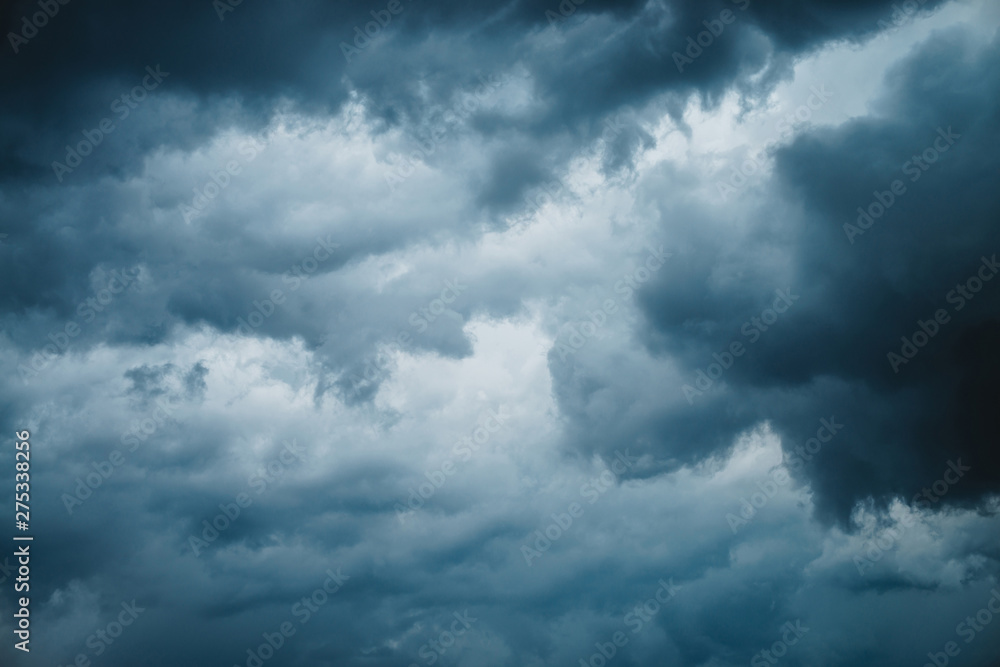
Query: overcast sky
point(419, 332)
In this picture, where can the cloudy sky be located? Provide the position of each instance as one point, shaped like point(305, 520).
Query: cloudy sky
point(418, 332)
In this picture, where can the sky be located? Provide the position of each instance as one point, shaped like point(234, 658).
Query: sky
point(416, 332)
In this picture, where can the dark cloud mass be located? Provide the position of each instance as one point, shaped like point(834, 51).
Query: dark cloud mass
point(508, 333)
point(857, 299)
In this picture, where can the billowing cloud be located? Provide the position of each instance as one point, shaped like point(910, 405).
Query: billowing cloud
point(513, 333)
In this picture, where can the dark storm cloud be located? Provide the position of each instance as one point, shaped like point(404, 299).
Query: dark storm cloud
point(67, 78)
point(292, 376)
point(828, 354)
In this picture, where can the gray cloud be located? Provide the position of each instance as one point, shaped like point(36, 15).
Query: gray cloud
point(189, 318)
